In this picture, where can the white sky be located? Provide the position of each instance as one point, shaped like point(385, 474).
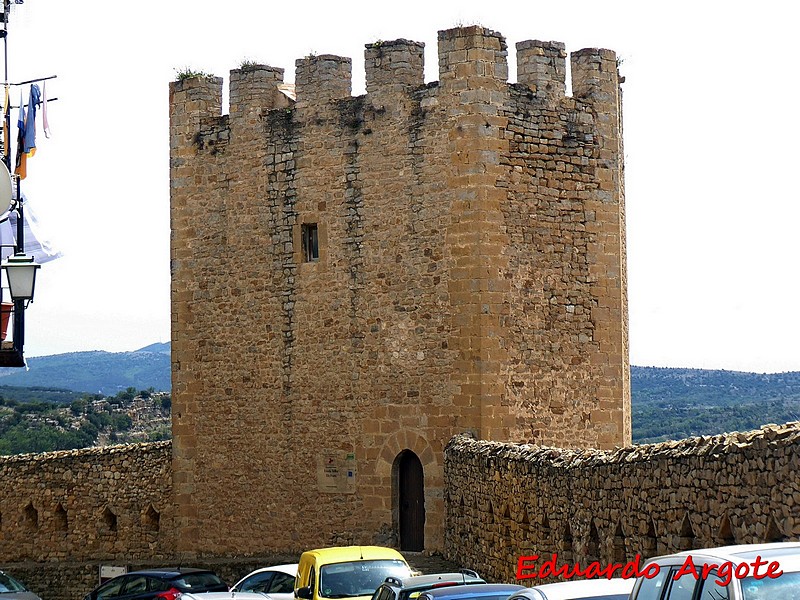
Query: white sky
point(711, 144)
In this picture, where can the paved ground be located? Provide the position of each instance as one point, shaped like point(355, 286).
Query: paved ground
point(430, 563)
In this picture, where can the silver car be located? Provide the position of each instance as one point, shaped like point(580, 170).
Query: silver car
point(11, 589)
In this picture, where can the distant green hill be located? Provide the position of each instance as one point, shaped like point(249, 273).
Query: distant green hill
point(95, 372)
point(668, 403)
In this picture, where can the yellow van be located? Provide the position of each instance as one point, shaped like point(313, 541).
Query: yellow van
point(346, 572)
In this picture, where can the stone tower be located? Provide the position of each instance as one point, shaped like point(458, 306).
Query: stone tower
point(357, 279)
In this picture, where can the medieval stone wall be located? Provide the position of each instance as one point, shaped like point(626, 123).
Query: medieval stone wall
point(63, 513)
point(506, 500)
point(470, 277)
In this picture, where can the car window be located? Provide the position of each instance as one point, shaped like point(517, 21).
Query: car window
point(159, 585)
point(257, 583)
point(111, 589)
point(199, 582)
point(9, 584)
point(386, 593)
point(652, 588)
point(135, 585)
point(681, 588)
point(358, 578)
point(711, 590)
point(281, 584)
point(787, 586)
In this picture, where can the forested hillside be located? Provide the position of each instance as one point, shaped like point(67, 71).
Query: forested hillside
point(92, 398)
point(95, 372)
point(677, 403)
point(38, 425)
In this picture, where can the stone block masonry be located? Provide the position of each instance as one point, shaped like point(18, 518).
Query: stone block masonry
point(64, 513)
point(358, 279)
point(507, 500)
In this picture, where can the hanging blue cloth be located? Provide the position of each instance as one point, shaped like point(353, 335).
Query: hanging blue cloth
point(30, 120)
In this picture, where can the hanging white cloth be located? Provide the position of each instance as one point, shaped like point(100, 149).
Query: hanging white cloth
point(37, 243)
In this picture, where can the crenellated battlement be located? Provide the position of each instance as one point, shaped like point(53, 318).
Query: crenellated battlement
point(595, 74)
point(542, 67)
point(320, 79)
point(467, 53)
point(255, 87)
point(469, 58)
point(394, 66)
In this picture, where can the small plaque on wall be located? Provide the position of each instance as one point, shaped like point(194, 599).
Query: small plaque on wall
point(336, 473)
point(110, 571)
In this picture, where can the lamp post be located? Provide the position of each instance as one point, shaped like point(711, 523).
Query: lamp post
point(21, 274)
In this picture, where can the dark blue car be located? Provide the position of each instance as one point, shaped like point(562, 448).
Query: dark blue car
point(158, 584)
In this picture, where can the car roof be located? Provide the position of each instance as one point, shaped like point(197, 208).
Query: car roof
point(787, 553)
point(474, 590)
point(349, 553)
point(426, 581)
point(288, 569)
point(566, 590)
point(167, 572)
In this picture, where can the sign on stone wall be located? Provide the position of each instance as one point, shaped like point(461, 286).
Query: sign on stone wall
point(336, 473)
point(110, 571)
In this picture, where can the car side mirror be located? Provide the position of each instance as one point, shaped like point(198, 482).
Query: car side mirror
point(304, 592)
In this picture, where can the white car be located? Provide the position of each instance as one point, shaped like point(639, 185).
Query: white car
point(744, 572)
point(584, 589)
point(277, 581)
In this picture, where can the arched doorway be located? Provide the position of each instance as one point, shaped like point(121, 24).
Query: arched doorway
point(411, 501)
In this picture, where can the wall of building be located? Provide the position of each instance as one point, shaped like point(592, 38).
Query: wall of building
point(470, 278)
point(507, 500)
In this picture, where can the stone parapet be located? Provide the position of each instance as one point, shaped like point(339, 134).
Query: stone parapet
point(506, 500)
point(113, 502)
point(542, 66)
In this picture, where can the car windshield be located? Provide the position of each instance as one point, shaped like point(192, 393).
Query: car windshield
point(9, 584)
point(358, 578)
point(784, 587)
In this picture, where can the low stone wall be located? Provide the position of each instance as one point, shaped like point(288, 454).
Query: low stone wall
point(106, 505)
point(507, 500)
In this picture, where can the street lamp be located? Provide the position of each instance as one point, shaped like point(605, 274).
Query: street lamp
point(21, 274)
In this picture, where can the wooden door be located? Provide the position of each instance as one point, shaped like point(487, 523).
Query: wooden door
point(412, 503)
